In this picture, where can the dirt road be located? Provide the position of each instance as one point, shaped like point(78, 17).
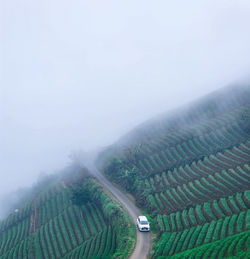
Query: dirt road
point(143, 239)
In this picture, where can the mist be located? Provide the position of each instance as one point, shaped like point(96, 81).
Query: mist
point(78, 75)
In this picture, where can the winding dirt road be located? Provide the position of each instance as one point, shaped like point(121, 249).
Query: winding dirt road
point(143, 239)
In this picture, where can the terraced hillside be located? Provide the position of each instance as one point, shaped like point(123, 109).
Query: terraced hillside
point(191, 172)
point(51, 226)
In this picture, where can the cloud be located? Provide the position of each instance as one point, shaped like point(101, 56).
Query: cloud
point(79, 75)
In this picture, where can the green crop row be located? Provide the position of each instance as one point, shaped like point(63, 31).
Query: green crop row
point(102, 245)
point(196, 147)
point(64, 235)
point(236, 246)
point(175, 242)
point(204, 213)
point(52, 204)
point(174, 177)
point(14, 235)
point(16, 217)
point(202, 190)
point(20, 251)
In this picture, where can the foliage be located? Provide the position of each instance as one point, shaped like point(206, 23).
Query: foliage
point(65, 220)
point(122, 174)
point(190, 173)
point(118, 217)
point(80, 195)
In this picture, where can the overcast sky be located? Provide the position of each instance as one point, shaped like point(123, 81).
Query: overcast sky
point(79, 74)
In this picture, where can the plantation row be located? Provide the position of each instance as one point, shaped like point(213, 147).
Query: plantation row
point(49, 244)
point(14, 218)
point(26, 210)
point(55, 228)
point(172, 243)
point(222, 110)
point(81, 232)
point(202, 168)
point(70, 229)
point(236, 246)
point(202, 190)
point(101, 246)
point(196, 130)
point(53, 190)
point(206, 212)
point(14, 235)
point(52, 205)
point(194, 149)
point(20, 251)
point(64, 226)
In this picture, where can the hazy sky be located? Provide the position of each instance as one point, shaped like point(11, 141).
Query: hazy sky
point(79, 74)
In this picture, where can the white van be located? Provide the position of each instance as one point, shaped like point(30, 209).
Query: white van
point(142, 223)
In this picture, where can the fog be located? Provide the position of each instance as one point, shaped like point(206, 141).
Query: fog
point(80, 74)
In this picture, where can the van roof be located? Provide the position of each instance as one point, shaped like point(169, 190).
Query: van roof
point(142, 218)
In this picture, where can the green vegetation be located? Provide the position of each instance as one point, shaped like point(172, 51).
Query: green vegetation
point(67, 220)
point(191, 174)
point(230, 247)
point(80, 195)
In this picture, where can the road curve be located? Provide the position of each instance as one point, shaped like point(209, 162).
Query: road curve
point(143, 239)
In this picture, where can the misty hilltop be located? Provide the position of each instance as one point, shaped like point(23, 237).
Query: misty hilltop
point(111, 110)
point(187, 117)
point(81, 75)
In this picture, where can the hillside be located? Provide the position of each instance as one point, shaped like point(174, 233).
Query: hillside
point(68, 218)
point(190, 171)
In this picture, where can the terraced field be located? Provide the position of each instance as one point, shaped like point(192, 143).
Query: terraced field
point(191, 173)
point(52, 227)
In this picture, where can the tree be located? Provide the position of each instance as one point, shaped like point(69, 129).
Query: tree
point(80, 195)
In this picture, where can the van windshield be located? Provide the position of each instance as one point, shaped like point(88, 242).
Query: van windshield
point(144, 222)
